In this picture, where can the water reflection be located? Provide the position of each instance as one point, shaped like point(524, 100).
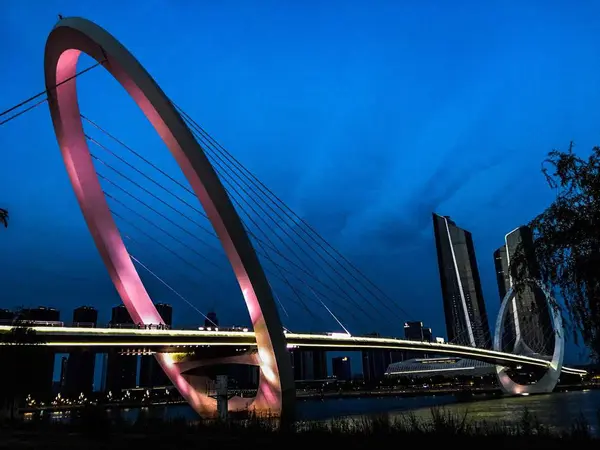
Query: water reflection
point(558, 410)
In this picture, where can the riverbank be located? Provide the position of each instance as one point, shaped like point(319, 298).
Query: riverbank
point(93, 429)
point(461, 394)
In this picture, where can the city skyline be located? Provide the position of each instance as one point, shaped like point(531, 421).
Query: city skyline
point(457, 156)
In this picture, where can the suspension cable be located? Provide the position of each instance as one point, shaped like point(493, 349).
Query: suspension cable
point(39, 94)
point(338, 286)
point(288, 211)
point(199, 135)
point(187, 262)
point(188, 190)
point(170, 287)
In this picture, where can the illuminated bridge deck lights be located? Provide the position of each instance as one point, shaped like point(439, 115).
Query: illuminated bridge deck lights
point(65, 337)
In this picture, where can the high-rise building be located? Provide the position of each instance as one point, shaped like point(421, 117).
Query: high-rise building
point(528, 318)
point(151, 374)
point(303, 365)
point(85, 316)
point(414, 331)
point(82, 361)
point(376, 361)
point(309, 364)
point(211, 320)
point(319, 364)
point(63, 373)
point(464, 307)
point(120, 317)
point(41, 315)
point(6, 317)
point(503, 280)
point(121, 370)
point(41, 380)
point(341, 368)
point(166, 312)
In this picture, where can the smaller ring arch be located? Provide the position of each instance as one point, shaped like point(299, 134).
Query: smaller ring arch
point(549, 380)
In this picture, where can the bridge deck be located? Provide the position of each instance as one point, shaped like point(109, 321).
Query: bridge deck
point(102, 339)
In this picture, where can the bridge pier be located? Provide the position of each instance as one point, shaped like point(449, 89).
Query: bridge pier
point(222, 400)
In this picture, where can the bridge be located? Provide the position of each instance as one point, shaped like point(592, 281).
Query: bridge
point(279, 262)
point(64, 339)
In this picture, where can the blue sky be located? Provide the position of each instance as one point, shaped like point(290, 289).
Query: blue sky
point(364, 117)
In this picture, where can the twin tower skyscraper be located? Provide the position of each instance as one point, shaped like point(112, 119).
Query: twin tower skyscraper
point(464, 307)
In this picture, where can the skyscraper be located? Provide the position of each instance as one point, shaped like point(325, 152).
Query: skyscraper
point(44, 367)
point(319, 364)
point(376, 361)
point(464, 308)
point(414, 331)
point(503, 280)
point(151, 374)
point(81, 362)
point(121, 370)
point(303, 365)
point(166, 312)
point(532, 323)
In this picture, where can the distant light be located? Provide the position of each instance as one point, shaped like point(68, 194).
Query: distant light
point(245, 330)
point(201, 328)
point(525, 394)
point(338, 335)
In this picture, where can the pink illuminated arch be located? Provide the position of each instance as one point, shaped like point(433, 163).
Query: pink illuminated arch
point(67, 40)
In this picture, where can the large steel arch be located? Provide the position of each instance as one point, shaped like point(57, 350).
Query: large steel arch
point(69, 38)
point(549, 380)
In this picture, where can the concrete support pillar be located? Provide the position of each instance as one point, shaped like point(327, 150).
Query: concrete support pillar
point(222, 397)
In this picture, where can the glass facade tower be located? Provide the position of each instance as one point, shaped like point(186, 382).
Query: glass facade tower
point(530, 317)
point(464, 307)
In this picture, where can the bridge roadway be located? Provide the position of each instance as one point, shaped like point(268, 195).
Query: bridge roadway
point(173, 341)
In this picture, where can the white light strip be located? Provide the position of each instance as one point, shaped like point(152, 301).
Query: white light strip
point(514, 299)
point(141, 344)
point(277, 298)
point(293, 339)
point(460, 287)
point(132, 331)
point(509, 358)
point(395, 343)
point(329, 311)
point(431, 370)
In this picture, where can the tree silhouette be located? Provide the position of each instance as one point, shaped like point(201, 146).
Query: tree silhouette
point(4, 217)
point(567, 241)
point(20, 351)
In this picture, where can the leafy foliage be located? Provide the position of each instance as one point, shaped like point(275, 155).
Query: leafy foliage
point(567, 240)
point(4, 217)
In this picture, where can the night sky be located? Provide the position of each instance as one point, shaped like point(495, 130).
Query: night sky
point(363, 119)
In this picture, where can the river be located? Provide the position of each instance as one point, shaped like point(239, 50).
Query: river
point(558, 410)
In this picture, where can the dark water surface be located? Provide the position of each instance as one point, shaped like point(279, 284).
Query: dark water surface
point(557, 410)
